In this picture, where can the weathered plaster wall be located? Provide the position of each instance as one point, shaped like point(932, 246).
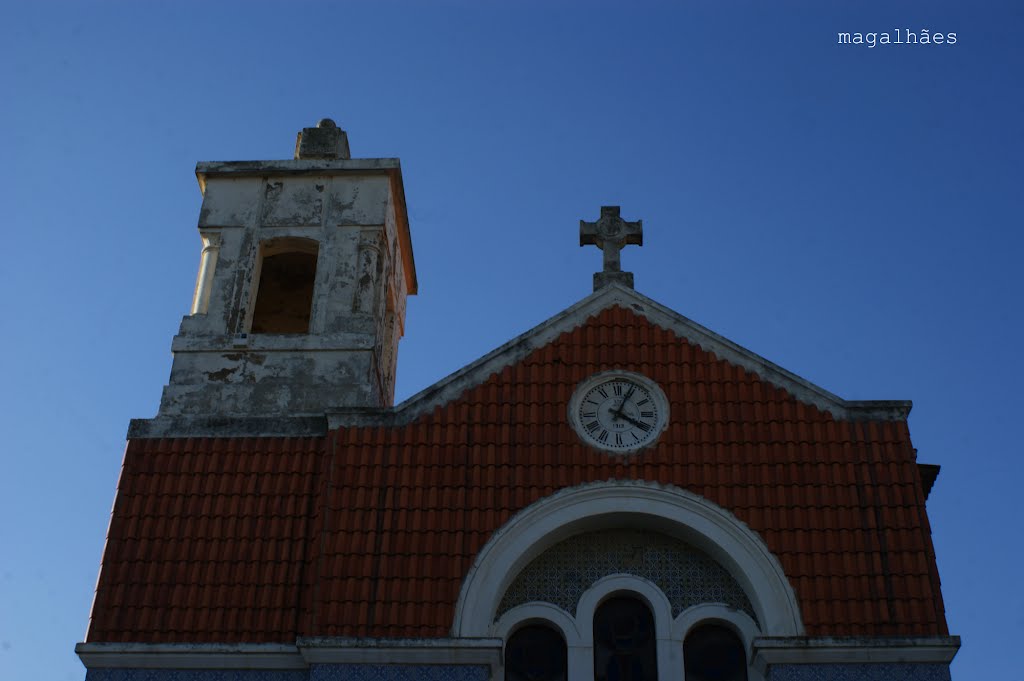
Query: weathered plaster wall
point(349, 208)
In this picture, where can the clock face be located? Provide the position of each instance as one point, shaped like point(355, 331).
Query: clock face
point(618, 411)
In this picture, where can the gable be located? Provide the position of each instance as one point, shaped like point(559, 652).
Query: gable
point(641, 315)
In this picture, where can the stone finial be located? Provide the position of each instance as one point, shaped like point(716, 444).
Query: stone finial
point(610, 233)
point(326, 141)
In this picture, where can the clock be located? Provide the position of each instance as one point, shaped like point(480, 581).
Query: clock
point(618, 411)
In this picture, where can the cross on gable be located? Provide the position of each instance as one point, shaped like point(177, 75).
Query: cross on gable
point(610, 233)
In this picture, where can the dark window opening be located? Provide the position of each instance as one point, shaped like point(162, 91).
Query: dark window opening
point(714, 653)
point(536, 653)
point(625, 647)
point(284, 298)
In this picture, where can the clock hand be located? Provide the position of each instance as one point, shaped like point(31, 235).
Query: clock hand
point(639, 424)
point(618, 412)
point(625, 399)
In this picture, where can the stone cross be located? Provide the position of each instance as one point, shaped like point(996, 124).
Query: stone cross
point(610, 233)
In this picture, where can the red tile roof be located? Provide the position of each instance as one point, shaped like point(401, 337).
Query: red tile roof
point(369, 531)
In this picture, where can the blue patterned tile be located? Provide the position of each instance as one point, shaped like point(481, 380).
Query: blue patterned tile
point(398, 672)
point(859, 672)
point(195, 675)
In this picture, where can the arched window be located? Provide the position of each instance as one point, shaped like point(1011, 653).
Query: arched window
point(535, 653)
point(712, 652)
point(284, 298)
point(625, 647)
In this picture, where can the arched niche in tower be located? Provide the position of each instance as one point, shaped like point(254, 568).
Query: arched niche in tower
point(285, 275)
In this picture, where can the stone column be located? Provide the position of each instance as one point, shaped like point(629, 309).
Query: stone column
point(207, 267)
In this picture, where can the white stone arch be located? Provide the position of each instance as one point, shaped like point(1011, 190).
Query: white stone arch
point(623, 585)
point(718, 613)
point(627, 503)
point(538, 613)
point(541, 613)
point(669, 652)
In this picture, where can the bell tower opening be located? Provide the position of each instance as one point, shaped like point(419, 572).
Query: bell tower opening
point(284, 295)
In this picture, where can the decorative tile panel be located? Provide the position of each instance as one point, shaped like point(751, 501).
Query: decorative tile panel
point(398, 672)
point(685, 574)
point(859, 672)
point(195, 675)
point(319, 672)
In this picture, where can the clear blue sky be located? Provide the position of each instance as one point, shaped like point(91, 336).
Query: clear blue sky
point(850, 213)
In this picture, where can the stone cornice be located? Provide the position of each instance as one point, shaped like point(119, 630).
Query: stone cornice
point(306, 651)
point(798, 650)
point(227, 426)
point(481, 651)
point(208, 169)
point(190, 656)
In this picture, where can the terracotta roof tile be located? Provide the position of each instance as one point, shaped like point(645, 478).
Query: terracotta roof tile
point(252, 539)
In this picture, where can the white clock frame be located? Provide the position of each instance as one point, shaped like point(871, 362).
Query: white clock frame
point(653, 390)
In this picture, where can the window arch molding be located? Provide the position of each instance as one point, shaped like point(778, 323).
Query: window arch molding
point(623, 585)
point(593, 506)
point(547, 614)
point(716, 613)
point(670, 632)
point(669, 652)
point(538, 613)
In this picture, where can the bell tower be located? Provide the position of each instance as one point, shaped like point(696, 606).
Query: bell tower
point(300, 298)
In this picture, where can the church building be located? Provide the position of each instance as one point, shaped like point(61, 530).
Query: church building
point(618, 494)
